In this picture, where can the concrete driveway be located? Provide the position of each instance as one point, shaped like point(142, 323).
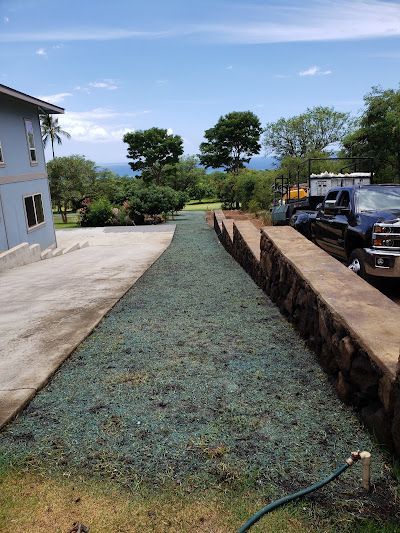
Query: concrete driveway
point(47, 308)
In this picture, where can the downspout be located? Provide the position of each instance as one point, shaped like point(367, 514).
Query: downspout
point(4, 221)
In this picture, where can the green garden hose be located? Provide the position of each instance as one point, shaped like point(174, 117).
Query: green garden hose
point(355, 456)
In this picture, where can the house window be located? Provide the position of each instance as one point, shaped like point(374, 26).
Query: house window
point(2, 163)
point(31, 141)
point(34, 210)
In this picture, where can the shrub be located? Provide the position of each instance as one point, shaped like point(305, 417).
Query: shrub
point(227, 192)
point(154, 200)
point(263, 189)
point(245, 185)
point(96, 213)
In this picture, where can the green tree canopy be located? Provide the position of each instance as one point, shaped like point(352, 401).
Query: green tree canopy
point(70, 178)
point(232, 141)
point(184, 174)
point(312, 131)
point(51, 130)
point(187, 176)
point(151, 150)
point(378, 135)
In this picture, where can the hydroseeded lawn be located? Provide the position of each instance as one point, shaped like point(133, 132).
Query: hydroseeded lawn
point(195, 383)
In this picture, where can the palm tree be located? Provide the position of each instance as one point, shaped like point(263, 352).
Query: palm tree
point(52, 130)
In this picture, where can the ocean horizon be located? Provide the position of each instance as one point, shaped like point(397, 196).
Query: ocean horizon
point(256, 163)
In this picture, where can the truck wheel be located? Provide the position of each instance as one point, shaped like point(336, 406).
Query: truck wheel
point(356, 263)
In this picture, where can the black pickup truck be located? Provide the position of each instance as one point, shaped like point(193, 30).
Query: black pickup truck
point(359, 225)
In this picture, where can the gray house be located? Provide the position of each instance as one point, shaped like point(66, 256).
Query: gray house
point(25, 204)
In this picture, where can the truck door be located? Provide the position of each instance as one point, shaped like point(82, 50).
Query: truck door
point(339, 223)
point(321, 226)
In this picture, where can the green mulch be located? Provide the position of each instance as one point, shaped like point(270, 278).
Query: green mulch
point(195, 380)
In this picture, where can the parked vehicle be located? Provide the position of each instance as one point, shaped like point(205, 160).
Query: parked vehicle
point(360, 225)
point(346, 215)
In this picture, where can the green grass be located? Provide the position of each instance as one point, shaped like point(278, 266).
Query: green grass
point(73, 221)
point(208, 204)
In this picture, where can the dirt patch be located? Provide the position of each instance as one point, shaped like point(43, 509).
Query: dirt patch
point(242, 215)
point(237, 215)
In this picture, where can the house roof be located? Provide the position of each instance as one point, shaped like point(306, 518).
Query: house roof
point(43, 107)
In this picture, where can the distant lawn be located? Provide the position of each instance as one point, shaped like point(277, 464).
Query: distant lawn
point(207, 204)
point(73, 221)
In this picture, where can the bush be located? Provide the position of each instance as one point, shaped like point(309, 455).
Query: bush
point(263, 190)
point(96, 213)
point(227, 192)
point(245, 185)
point(154, 200)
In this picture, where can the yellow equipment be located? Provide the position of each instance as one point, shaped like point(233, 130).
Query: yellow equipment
point(296, 194)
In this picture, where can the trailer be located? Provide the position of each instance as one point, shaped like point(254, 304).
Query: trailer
point(305, 193)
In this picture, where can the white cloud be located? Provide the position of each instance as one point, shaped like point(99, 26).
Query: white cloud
point(170, 131)
point(315, 21)
point(249, 23)
point(229, 67)
point(118, 134)
point(41, 52)
point(104, 84)
point(82, 89)
point(55, 98)
point(98, 125)
point(6, 19)
point(282, 76)
point(162, 82)
point(85, 34)
point(315, 71)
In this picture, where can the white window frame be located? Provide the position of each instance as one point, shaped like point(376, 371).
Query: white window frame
point(33, 163)
point(2, 162)
point(37, 225)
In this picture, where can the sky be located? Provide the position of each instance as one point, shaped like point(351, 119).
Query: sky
point(128, 65)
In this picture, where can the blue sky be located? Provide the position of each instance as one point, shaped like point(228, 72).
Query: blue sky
point(179, 64)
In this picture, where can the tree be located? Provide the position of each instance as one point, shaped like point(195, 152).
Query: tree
point(378, 135)
point(70, 179)
point(232, 141)
point(184, 174)
point(52, 130)
point(312, 131)
point(151, 150)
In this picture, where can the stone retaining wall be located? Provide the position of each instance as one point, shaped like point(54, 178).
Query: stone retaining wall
point(352, 327)
point(246, 249)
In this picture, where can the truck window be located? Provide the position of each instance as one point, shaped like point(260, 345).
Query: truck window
point(378, 199)
point(330, 199)
point(344, 200)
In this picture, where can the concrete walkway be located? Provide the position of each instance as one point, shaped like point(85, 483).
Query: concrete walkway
point(48, 308)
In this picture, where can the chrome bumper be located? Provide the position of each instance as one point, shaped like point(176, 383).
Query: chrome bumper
point(391, 263)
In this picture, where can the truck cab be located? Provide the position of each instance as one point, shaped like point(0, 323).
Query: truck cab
point(360, 225)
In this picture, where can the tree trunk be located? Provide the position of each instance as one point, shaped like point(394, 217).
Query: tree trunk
point(64, 215)
point(52, 146)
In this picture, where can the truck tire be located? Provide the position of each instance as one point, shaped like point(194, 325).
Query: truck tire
point(356, 263)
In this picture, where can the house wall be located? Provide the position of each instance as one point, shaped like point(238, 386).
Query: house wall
point(12, 197)
point(19, 177)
